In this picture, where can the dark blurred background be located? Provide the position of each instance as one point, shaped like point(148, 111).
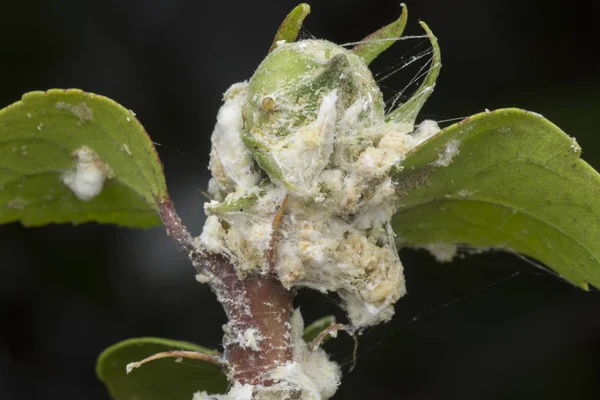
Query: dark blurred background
point(483, 327)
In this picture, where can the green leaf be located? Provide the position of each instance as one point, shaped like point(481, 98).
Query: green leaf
point(313, 330)
point(43, 136)
point(159, 379)
point(406, 113)
point(506, 179)
point(290, 27)
point(379, 41)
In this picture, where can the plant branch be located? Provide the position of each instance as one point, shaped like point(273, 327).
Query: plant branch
point(330, 330)
point(178, 354)
point(257, 337)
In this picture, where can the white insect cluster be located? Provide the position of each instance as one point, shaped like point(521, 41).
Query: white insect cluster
point(87, 179)
point(302, 162)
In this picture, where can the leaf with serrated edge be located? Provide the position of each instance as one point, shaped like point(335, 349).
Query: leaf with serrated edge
point(379, 41)
point(160, 379)
point(506, 179)
point(39, 137)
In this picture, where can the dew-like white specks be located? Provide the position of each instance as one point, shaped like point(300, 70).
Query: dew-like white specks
point(128, 119)
point(131, 112)
point(82, 111)
point(29, 115)
point(40, 126)
point(125, 148)
point(17, 204)
point(466, 193)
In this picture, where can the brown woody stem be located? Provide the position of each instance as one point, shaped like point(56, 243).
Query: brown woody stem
point(257, 337)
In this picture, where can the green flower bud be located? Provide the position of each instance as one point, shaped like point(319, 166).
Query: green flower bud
point(295, 100)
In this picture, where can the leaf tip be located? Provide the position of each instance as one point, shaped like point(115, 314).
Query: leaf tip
point(290, 27)
point(407, 113)
point(377, 42)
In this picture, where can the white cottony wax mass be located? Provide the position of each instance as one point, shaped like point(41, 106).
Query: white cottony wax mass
point(323, 202)
point(87, 179)
point(302, 187)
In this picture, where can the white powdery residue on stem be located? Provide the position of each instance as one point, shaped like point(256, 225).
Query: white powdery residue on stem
point(88, 177)
point(250, 339)
point(311, 372)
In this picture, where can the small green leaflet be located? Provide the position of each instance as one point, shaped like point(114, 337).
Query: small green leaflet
point(160, 379)
point(291, 25)
point(49, 139)
point(406, 113)
point(506, 179)
point(379, 41)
